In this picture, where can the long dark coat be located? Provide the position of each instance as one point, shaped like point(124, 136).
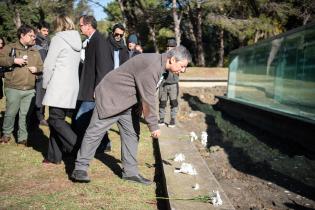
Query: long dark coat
point(99, 60)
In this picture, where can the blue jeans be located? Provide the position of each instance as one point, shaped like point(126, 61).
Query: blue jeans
point(82, 121)
point(85, 111)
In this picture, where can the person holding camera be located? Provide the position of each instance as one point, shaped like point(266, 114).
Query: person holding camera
point(22, 61)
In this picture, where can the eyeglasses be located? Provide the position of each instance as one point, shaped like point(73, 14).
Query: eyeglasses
point(31, 36)
point(117, 34)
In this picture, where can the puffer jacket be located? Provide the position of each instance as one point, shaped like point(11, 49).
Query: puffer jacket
point(20, 78)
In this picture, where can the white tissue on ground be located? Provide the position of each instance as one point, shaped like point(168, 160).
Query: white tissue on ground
point(186, 168)
point(193, 136)
point(179, 157)
point(204, 138)
point(215, 198)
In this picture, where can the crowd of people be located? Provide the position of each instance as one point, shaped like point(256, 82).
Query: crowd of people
point(101, 81)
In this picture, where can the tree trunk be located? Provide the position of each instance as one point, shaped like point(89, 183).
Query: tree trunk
point(258, 36)
point(306, 17)
point(176, 24)
point(221, 48)
point(69, 7)
point(201, 56)
point(17, 18)
point(122, 9)
point(151, 28)
point(153, 36)
point(191, 36)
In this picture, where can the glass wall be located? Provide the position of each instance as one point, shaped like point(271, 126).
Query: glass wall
point(277, 74)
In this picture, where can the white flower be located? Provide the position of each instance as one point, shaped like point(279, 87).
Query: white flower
point(193, 136)
point(204, 138)
point(186, 168)
point(215, 198)
point(196, 187)
point(179, 157)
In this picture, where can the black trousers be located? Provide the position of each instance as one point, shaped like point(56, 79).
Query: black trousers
point(62, 138)
point(39, 96)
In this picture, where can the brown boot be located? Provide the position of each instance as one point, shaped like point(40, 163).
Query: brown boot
point(5, 139)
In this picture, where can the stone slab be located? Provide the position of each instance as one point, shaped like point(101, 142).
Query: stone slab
point(179, 185)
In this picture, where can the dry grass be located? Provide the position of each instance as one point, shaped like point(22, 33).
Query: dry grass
point(25, 183)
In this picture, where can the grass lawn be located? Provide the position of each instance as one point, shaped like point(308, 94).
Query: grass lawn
point(25, 183)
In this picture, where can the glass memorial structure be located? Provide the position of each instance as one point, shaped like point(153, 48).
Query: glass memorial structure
point(277, 74)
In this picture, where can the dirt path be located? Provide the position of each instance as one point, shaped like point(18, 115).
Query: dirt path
point(255, 169)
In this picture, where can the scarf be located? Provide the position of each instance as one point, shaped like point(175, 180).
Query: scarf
point(117, 45)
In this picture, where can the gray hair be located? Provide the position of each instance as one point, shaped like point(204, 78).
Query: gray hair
point(179, 53)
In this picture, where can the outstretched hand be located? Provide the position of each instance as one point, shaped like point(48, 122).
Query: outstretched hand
point(155, 134)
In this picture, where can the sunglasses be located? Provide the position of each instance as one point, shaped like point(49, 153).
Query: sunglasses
point(117, 34)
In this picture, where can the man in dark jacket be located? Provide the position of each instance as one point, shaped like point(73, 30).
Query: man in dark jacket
point(98, 61)
point(117, 52)
point(116, 98)
point(91, 72)
point(169, 89)
point(42, 44)
point(19, 83)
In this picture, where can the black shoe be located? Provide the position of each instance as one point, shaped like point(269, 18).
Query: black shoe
point(140, 179)
point(80, 176)
point(161, 122)
point(172, 123)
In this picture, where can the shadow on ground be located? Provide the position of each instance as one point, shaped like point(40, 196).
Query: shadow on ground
point(159, 178)
point(111, 162)
point(240, 157)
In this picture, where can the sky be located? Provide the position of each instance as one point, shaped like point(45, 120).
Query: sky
point(99, 14)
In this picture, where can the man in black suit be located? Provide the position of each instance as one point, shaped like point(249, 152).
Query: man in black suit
point(92, 71)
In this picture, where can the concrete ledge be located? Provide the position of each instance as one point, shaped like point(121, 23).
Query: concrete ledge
point(181, 185)
point(202, 84)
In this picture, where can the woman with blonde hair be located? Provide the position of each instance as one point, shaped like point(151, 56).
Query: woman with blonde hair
point(61, 81)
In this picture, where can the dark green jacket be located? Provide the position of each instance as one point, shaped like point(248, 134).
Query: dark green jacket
point(20, 78)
